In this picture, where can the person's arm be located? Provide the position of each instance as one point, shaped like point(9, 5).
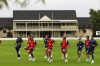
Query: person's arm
point(53, 41)
point(60, 44)
point(83, 44)
point(77, 44)
point(68, 44)
point(35, 43)
point(21, 41)
point(95, 43)
point(0, 41)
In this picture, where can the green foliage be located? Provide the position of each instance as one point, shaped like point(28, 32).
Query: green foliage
point(9, 35)
point(95, 18)
point(8, 55)
point(23, 3)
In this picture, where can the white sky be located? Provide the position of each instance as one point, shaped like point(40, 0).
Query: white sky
point(81, 6)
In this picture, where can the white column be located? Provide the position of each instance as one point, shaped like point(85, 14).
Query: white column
point(52, 33)
point(26, 29)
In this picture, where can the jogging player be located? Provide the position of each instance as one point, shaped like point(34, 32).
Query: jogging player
point(46, 45)
point(30, 48)
point(92, 45)
point(49, 48)
point(80, 45)
point(87, 42)
point(64, 46)
point(19, 41)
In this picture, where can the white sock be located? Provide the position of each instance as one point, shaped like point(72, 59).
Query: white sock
point(66, 55)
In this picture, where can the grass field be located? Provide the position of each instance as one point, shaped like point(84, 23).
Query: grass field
point(8, 55)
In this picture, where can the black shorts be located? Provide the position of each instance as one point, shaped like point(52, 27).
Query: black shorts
point(79, 49)
point(90, 50)
point(18, 47)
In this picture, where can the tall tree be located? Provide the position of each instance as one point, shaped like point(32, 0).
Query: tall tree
point(95, 18)
point(21, 2)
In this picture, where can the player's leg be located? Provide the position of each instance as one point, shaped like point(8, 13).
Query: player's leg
point(29, 54)
point(62, 54)
point(46, 53)
point(65, 55)
point(18, 51)
point(49, 51)
point(92, 53)
point(32, 55)
point(87, 54)
point(79, 55)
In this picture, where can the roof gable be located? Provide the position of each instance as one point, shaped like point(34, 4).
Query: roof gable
point(45, 18)
point(52, 14)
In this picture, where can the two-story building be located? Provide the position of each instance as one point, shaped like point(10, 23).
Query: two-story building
point(39, 23)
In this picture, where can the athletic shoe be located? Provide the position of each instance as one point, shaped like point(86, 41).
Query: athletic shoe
point(66, 60)
point(19, 58)
point(33, 59)
point(62, 58)
point(87, 60)
point(45, 57)
point(30, 58)
point(50, 60)
point(79, 60)
point(92, 61)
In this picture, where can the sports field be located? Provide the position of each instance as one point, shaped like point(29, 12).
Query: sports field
point(8, 55)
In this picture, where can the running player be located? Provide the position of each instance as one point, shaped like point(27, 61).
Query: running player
point(31, 46)
point(80, 45)
point(49, 48)
point(92, 45)
point(26, 47)
point(46, 45)
point(64, 46)
point(19, 41)
point(87, 42)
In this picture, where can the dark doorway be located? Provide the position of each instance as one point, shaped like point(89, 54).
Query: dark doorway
point(44, 33)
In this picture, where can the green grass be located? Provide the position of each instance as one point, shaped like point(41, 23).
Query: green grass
point(8, 55)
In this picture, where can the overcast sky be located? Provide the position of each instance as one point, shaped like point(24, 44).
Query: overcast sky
point(81, 6)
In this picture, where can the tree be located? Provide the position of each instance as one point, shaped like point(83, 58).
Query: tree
point(95, 18)
point(21, 2)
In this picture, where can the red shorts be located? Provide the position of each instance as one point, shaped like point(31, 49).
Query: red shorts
point(28, 47)
point(63, 48)
point(50, 47)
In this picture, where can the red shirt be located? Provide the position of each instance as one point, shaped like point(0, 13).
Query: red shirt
point(87, 43)
point(50, 43)
point(64, 44)
point(31, 43)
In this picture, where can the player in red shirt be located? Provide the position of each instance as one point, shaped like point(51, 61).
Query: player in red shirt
point(64, 46)
point(49, 48)
point(87, 41)
point(30, 47)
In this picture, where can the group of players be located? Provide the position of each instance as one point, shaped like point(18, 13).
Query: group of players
point(89, 44)
point(89, 48)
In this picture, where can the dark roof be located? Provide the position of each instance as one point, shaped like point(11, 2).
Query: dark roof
point(84, 22)
point(6, 23)
point(34, 14)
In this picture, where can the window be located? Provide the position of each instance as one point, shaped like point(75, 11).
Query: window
point(84, 31)
point(4, 31)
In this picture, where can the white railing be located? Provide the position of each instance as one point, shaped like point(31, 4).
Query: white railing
point(47, 28)
point(69, 38)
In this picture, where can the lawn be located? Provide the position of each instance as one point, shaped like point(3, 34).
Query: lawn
point(8, 55)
